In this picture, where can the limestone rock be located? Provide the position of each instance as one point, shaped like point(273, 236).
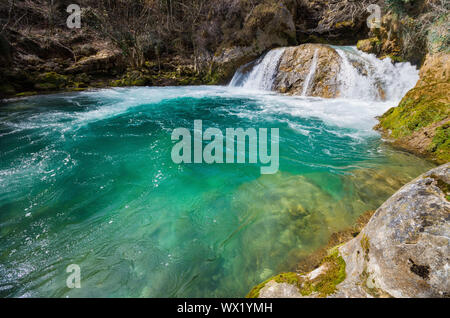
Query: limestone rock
point(403, 251)
point(279, 290)
point(267, 25)
point(371, 46)
point(103, 62)
point(297, 63)
point(436, 68)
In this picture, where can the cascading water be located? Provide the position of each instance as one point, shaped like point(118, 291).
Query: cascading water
point(311, 73)
point(364, 76)
point(361, 76)
point(263, 73)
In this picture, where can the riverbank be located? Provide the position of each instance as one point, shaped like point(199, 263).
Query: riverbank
point(404, 260)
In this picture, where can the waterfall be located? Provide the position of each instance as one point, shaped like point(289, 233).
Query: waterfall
point(364, 76)
point(263, 73)
point(311, 73)
point(361, 75)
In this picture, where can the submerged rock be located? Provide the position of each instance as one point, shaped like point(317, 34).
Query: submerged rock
point(402, 252)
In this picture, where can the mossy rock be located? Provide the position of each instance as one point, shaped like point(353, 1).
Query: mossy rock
point(372, 45)
point(421, 121)
point(289, 278)
point(51, 81)
point(394, 58)
point(25, 94)
point(323, 285)
point(440, 145)
point(421, 107)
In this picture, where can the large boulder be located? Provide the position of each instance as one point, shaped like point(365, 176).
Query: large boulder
point(106, 61)
point(316, 66)
point(402, 252)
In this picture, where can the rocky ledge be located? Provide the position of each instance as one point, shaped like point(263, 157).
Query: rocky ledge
point(298, 64)
point(403, 251)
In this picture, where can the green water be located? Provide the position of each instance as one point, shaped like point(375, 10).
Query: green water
point(87, 178)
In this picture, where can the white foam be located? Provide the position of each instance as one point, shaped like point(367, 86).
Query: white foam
point(361, 76)
point(263, 73)
point(373, 76)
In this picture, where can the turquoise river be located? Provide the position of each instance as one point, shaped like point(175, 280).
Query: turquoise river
point(87, 178)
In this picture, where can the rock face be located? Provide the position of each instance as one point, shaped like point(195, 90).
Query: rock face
point(421, 122)
point(403, 251)
point(267, 25)
point(309, 69)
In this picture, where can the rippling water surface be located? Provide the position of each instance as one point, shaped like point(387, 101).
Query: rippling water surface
point(87, 178)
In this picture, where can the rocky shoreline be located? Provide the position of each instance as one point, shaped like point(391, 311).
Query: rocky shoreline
point(402, 252)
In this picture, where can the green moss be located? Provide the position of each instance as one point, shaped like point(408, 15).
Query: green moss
point(289, 278)
point(345, 24)
point(326, 283)
point(420, 108)
point(440, 145)
point(51, 81)
point(24, 94)
point(323, 285)
point(214, 78)
point(396, 58)
point(370, 41)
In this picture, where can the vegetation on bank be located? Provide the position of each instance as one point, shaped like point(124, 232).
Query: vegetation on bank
point(332, 274)
point(422, 107)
